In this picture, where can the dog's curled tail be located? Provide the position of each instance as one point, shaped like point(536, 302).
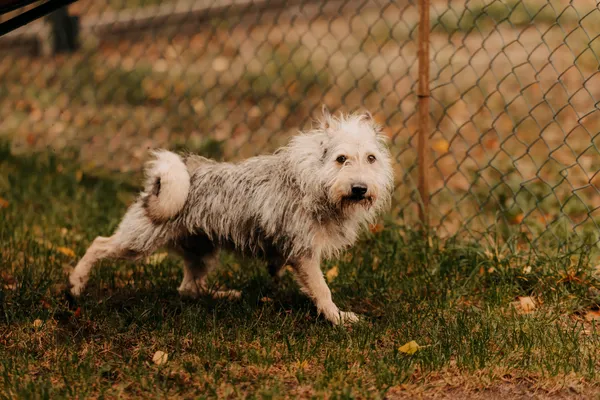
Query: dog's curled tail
point(167, 185)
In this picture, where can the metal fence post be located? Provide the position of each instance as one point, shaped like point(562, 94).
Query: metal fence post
point(423, 95)
point(65, 31)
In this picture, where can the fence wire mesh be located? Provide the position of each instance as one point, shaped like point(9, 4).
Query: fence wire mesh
point(514, 86)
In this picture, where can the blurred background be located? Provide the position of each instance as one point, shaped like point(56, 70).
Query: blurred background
point(514, 112)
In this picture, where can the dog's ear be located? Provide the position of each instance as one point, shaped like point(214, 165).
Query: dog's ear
point(325, 111)
point(368, 117)
point(326, 121)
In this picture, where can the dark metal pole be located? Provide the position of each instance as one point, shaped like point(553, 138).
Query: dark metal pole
point(32, 15)
point(423, 95)
point(65, 31)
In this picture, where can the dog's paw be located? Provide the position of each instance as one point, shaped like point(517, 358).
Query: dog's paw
point(185, 292)
point(338, 317)
point(194, 291)
point(347, 317)
point(76, 286)
point(226, 294)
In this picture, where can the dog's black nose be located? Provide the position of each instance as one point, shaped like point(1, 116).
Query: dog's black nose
point(359, 189)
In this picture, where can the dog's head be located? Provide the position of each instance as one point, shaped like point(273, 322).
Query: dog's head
point(357, 170)
point(347, 160)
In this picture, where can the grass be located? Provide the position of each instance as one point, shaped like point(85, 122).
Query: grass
point(456, 299)
point(487, 15)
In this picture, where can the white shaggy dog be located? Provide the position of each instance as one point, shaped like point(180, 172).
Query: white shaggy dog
point(306, 202)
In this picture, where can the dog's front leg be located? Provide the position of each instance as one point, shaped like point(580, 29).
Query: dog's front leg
point(309, 275)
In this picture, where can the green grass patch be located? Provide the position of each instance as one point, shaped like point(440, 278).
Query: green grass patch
point(513, 13)
point(456, 299)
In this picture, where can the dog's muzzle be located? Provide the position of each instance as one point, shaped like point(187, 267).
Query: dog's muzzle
point(358, 191)
point(358, 194)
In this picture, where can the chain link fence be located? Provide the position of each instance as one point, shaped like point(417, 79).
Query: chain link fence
point(514, 88)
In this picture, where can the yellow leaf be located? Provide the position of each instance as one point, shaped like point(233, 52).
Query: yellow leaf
point(160, 357)
point(156, 259)
point(441, 146)
point(376, 228)
point(527, 304)
point(375, 264)
point(3, 203)
point(409, 348)
point(518, 218)
point(332, 273)
point(302, 365)
point(66, 251)
point(37, 323)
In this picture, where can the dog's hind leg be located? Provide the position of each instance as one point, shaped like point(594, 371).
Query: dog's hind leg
point(200, 257)
point(276, 269)
point(136, 236)
point(101, 248)
point(195, 272)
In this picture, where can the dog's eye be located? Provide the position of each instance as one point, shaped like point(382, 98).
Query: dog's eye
point(371, 159)
point(341, 159)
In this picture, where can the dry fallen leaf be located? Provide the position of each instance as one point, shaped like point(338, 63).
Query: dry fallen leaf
point(66, 251)
point(409, 348)
point(491, 143)
point(3, 203)
point(37, 323)
point(527, 269)
point(8, 281)
point(302, 365)
point(332, 273)
point(160, 357)
point(527, 304)
point(592, 315)
point(375, 264)
point(441, 146)
point(376, 228)
point(266, 299)
point(220, 64)
point(544, 218)
point(518, 219)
